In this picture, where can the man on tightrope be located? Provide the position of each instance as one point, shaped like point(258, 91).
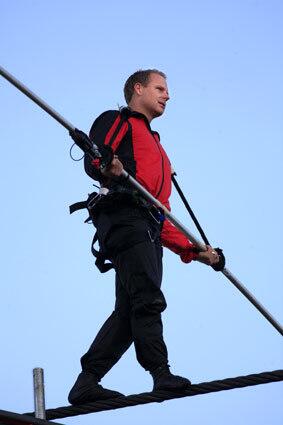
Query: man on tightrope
point(131, 234)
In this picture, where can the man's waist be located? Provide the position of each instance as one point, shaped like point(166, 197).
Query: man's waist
point(127, 202)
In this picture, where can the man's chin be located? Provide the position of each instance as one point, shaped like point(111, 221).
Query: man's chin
point(158, 113)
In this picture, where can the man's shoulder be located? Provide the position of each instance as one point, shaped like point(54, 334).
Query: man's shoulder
point(104, 120)
point(123, 112)
point(107, 115)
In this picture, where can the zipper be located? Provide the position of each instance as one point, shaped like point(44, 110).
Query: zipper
point(162, 167)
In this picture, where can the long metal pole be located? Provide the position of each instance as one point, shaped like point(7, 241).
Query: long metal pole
point(149, 197)
point(225, 271)
point(36, 99)
point(38, 391)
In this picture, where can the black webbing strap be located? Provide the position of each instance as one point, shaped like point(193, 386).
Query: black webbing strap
point(77, 206)
point(88, 204)
point(221, 264)
point(100, 258)
point(195, 220)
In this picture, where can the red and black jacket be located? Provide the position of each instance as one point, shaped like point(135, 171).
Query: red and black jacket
point(129, 135)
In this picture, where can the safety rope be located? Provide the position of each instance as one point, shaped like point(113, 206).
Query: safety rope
point(160, 396)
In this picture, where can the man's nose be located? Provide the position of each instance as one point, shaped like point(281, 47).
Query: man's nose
point(167, 97)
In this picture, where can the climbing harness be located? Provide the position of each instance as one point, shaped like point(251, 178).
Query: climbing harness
point(107, 199)
point(91, 204)
point(105, 156)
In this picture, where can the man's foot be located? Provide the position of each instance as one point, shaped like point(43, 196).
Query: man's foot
point(163, 379)
point(87, 390)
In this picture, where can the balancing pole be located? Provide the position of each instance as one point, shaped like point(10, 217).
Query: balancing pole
point(92, 149)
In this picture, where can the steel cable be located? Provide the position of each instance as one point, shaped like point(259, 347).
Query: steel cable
point(160, 396)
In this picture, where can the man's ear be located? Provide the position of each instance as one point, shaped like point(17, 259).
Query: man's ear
point(138, 88)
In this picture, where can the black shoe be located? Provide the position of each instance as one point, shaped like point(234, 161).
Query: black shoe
point(164, 380)
point(87, 390)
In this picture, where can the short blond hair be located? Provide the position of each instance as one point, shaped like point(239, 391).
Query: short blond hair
point(141, 76)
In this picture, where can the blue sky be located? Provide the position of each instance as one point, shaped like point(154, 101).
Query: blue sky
point(223, 131)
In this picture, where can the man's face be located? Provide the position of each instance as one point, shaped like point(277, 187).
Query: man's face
point(153, 97)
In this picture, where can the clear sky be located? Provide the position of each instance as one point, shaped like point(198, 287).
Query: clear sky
point(223, 131)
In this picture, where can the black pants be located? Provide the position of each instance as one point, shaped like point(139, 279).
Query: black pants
point(133, 240)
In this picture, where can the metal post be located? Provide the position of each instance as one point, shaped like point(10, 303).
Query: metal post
point(38, 392)
point(147, 195)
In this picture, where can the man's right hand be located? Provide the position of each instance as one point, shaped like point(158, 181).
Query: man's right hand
point(114, 169)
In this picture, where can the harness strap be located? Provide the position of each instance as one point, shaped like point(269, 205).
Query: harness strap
point(78, 206)
point(88, 204)
point(100, 258)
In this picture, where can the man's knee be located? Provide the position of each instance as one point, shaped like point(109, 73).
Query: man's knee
point(150, 305)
